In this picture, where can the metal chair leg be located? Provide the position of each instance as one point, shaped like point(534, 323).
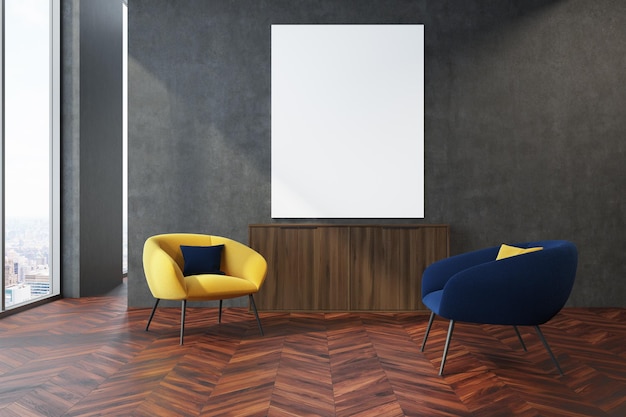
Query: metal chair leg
point(182, 320)
point(445, 349)
point(545, 343)
point(256, 314)
point(519, 336)
point(219, 317)
point(430, 323)
point(152, 314)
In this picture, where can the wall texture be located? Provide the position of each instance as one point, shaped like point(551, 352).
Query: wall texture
point(91, 147)
point(100, 145)
point(524, 127)
point(70, 148)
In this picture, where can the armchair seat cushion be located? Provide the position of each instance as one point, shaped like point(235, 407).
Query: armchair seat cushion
point(217, 287)
point(433, 300)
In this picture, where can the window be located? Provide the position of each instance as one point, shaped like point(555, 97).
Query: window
point(30, 151)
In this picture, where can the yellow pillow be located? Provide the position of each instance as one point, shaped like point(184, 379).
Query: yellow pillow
point(507, 251)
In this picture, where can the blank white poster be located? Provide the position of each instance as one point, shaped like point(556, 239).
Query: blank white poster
point(347, 121)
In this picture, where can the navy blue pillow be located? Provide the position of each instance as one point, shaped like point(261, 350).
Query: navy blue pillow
point(202, 259)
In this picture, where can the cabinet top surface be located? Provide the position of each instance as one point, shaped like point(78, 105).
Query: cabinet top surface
point(312, 225)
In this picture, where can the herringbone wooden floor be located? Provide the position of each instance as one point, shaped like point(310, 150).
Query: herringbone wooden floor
point(92, 357)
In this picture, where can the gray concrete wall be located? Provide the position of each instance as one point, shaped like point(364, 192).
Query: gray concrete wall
point(524, 126)
point(91, 147)
point(70, 148)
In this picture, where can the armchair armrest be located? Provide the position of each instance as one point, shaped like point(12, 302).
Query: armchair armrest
point(242, 261)
point(163, 274)
point(437, 274)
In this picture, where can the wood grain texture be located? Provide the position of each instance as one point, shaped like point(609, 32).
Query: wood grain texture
point(92, 357)
point(331, 269)
point(346, 267)
point(387, 263)
point(308, 267)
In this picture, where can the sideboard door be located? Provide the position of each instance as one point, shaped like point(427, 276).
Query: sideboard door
point(387, 264)
point(308, 267)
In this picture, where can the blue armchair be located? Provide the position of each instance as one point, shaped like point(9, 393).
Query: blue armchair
point(520, 290)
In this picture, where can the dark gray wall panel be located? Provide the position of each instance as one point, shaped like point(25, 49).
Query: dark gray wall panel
point(524, 125)
point(100, 201)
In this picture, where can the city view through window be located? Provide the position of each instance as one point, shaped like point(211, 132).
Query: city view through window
point(28, 145)
point(26, 265)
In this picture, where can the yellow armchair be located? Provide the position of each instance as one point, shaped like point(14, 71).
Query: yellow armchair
point(241, 271)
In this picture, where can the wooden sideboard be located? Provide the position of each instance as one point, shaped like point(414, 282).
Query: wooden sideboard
point(324, 267)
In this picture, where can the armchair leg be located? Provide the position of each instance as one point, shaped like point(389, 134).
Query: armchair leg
point(152, 314)
point(219, 317)
point(430, 323)
point(519, 336)
point(445, 349)
point(182, 320)
point(545, 343)
point(256, 314)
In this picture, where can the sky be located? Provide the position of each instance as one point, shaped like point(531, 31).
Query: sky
point(27, 104)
